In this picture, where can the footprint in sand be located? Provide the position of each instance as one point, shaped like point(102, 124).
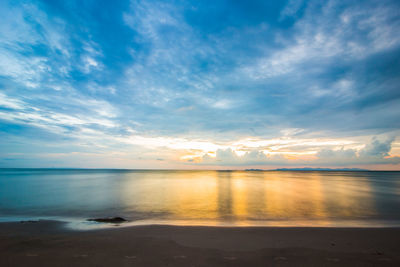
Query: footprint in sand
point(180, 257)
point(333, 259)
point(384, 259)
point(80, 256)
point(130, 257)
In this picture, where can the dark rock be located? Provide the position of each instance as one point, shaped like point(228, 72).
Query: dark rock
point(108, 220)
point(29, 221)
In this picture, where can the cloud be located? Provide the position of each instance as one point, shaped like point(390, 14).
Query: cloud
point(291, 8)
point(376, 152)
point(229, 157)
point(98, 113)
point(12, 103)
point(355, 34)
point(377, 148)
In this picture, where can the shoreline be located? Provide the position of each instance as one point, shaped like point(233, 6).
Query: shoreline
point(50, 243)
point(88, 224)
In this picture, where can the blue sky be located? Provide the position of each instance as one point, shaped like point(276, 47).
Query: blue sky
point(200, 84)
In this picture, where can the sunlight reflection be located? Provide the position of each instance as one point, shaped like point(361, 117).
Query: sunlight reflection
point(242, 197)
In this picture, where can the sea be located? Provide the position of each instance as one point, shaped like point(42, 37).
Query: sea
point(210, 198)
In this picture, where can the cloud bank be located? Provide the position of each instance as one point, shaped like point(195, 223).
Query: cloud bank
point(376, 152)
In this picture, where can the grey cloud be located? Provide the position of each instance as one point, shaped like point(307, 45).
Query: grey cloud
point(377, 148)
point(373, 153)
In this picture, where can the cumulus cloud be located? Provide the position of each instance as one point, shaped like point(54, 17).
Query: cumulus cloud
point(229, 157)
point(375, 152)
point(377, 148)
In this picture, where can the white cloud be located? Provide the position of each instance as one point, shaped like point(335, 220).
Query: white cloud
point(222, 104)
point(376, 152)
point(9, 102)
point(17, 38)
point(291, 8)
point(99, 112)
point(90, 57)
point(27, 71)
point(358, 33)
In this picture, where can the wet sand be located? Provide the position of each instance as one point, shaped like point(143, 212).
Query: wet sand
point(48, 243)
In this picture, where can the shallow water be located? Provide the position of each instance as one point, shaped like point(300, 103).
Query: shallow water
point(279, 198)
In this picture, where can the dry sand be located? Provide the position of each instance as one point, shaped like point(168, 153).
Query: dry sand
point(48, 243)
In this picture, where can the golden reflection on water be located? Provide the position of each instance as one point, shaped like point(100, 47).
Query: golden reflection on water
point(245, 197)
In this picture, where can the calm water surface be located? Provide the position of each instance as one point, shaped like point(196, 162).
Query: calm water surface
point(281, 198)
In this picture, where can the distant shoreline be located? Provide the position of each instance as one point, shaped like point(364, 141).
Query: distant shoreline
point(265, 170)
point(313, 169)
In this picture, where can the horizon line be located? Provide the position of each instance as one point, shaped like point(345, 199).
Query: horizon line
point(165, 169)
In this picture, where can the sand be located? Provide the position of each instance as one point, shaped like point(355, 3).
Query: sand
point(48, 243)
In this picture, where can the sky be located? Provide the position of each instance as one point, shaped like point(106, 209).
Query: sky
point(200, 84)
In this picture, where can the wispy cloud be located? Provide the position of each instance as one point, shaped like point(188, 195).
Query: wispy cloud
point(329, 32)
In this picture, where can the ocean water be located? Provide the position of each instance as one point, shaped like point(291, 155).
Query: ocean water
point(241, 198)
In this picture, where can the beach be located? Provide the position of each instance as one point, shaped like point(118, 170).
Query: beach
point(198, 218)
point(50, 243)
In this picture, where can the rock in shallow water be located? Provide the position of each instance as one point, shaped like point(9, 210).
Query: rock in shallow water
point(108, 220)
